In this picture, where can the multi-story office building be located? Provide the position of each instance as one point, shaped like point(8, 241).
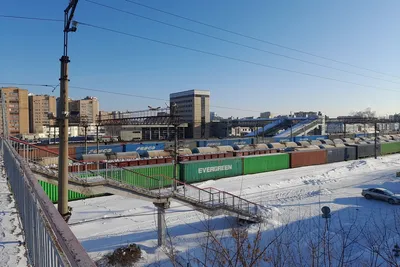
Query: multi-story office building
point(265, 115)
point(87, 108)
point(194, 109)
point(39, 108)
point(17, 111)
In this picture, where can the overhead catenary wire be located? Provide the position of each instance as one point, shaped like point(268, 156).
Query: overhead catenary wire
point(30, 18)
point(215, 54)
point(237, 43)
point(260, 40)
point(152, 98)
point(229, 57)
point(119, 93)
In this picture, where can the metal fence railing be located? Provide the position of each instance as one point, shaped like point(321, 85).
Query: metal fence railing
point(158, 186)
point(49, 240)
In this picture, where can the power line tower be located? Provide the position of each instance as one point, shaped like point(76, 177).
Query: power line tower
point(63, 119)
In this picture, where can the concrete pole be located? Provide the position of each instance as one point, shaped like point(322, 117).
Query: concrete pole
point(376, 141)
point(97, 138)
point(54, 134)
point(176, 157)
point(63, 148)
point(162, 233)
point(49, 137)
point(150, 132)
point(63, 135)
point(344, 130)
point(86, 147)
point(291, 131)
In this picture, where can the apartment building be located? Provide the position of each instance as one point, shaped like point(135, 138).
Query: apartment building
point(17, 110)
point(194, 109)
point(87, 108)
point(39, 108)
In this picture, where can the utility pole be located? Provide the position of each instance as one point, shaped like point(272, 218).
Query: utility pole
point(63, 119)
point(85, 124)
point(291, 131)
point(376, 140)
point(97, 132)
point(175, 123)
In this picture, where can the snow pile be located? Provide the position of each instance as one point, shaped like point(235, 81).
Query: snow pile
point(12, 250)
point(360, 232)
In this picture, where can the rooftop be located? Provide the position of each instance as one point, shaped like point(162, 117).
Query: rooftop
point(190, 93)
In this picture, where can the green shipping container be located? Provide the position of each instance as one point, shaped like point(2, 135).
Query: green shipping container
point(197, 171)
point(271, 162)
point(390, 148)
point(149, 177)
point(52, 192)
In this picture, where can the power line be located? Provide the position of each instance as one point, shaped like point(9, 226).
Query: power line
point(119, 93)
point(229, 57)
point(214, 54)
point(29, 84)
point(222, 56)
point(30, 18)
point(258, 39)
point(148, 97)
point(236, 43)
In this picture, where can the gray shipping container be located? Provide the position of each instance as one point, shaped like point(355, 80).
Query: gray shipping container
point(336, 154)
point(366, 151)
point(327, 142)
point(351, 153)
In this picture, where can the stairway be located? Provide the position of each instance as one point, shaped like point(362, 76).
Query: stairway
point(269, 128)
point(300, 128)
point(158, 189)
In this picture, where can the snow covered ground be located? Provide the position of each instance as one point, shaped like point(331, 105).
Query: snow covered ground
point(294, 197)
point(12, 253)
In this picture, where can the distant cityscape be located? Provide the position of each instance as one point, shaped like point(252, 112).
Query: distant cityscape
point(34, 117)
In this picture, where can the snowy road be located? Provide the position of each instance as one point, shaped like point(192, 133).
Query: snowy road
point(11, 252)
point(105, 223)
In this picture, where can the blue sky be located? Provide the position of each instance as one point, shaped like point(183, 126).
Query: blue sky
point(360, 32)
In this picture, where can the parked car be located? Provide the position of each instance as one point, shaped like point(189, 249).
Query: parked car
point(381, 194)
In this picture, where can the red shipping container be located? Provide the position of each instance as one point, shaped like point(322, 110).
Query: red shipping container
point(183, 158)
point(207, 156)
point(308, 158)
point(221, 155)
point(152, 161)
point(143, 162)
point(214, 156)
point(229, 154)
point(124, 164)
point(246, 153)
point(133, 163)
point(199, 156)
point(160, 161)
point(192, 157)
point(168, 160)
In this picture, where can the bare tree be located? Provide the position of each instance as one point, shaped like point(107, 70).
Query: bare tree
point(367, 113)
